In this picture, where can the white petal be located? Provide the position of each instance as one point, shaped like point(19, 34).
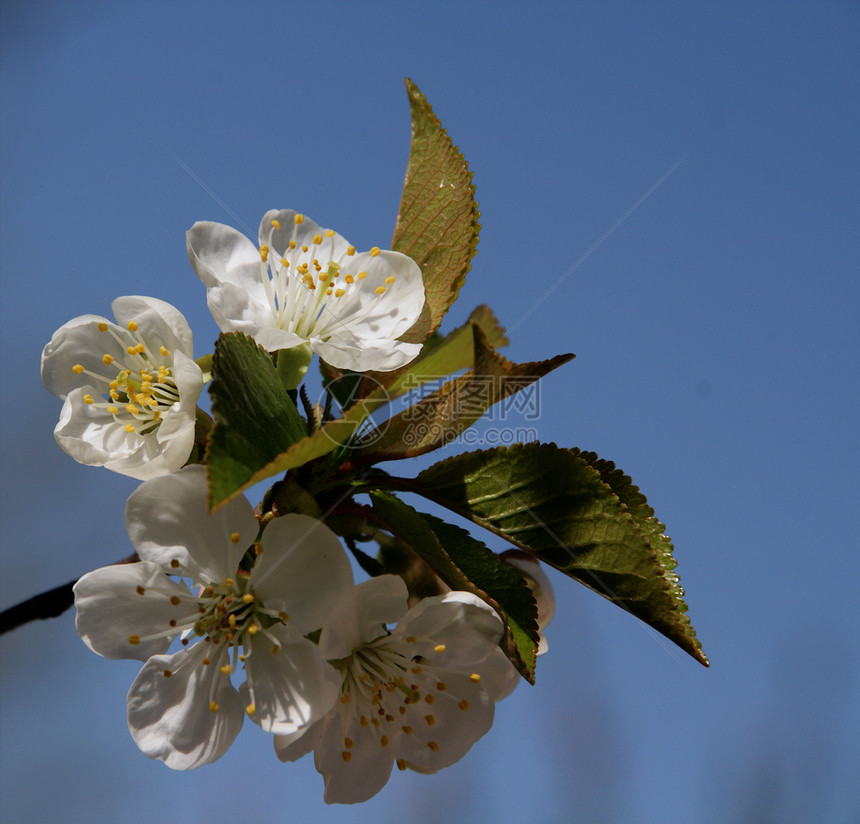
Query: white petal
point(303, 570)
point(444, 731)
point(361, 618)
point(360, 775)
point(168, 520)
point(467, 627)
point(240, 307)
point(290, 689)
point(365, 357)
point(79, 342)
point(111, 607)
point(170, 717)
point(159, 323)
point(90, 434)
point(299, 744)
point(219, 253)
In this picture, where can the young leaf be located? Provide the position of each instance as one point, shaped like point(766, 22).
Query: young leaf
point(554, 503)
point(444, 414)
point(255, 419)
point(437, 223)
point(464, 563)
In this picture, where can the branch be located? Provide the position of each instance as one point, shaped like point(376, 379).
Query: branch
point(48, 604)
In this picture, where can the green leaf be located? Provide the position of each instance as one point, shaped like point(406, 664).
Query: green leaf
point(555, 504)
point(437, 223)
point(255, 419)
point(465, 564)
point(443, 415)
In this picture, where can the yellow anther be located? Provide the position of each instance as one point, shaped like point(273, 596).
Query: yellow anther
point(430, 720)
point(349, 279)
point(131, 409)
point(77, 369)
point(346, 755)
point(276, 224)
point(213, 706)
point(258, 549)
point(417, 670)
point(206, 662)
point(362, 275)
point(375, 251)
point(463, 705)
point(231, 620)
point(164, 351)
point(350, 250)
point(328, 291)
point(128, 428)
point(251, 709)
point(339, 293)
point(441, 686)
point(292, 244)
point(107, 360)
point(283, 616)
point(226, 669)
point(132, 350)
point(264, 252)
point(234, 537)
point(475, 678)
point(247, 598)
point(304, 248)
point(134, 639)
point(383, 740)
point(348, 743)
point(285, 263)
point(317, 239)
point(379, 290)
point(167, 673)
point(102, 327)
point(407, 729)
point(439, 648)
point(132, 326)
point(253, 629)
point(401, 764)
point(433, 746)
point(88, 399)
point(429, 698)
point(298, 219)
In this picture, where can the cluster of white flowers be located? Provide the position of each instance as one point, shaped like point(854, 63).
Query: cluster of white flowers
point(347, 671)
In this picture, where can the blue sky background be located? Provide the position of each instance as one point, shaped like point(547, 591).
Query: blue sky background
point(716, 338)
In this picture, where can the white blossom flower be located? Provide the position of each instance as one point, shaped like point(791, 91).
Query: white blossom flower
point(183, 707)
point(129, 388)
point(307, 286)
point(418, 695)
